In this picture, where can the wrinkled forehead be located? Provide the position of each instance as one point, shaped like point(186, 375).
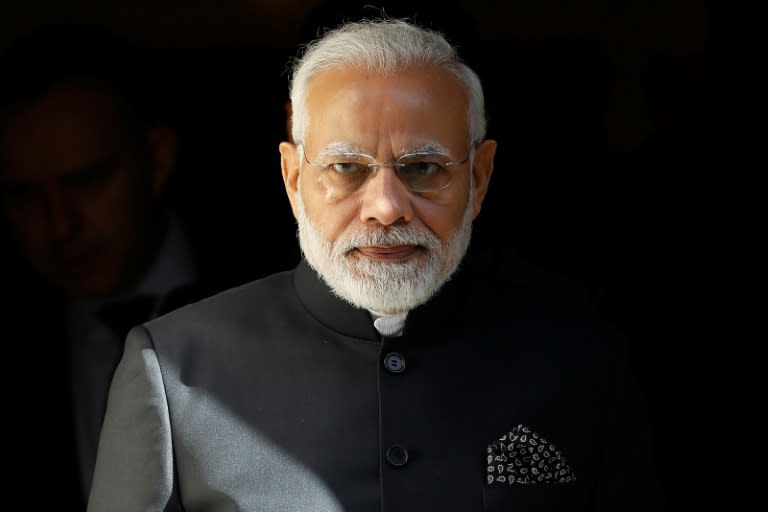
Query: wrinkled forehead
point(419, 106)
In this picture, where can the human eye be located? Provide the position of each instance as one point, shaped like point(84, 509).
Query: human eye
point(422, 169)
point(349, 168)
point(91, 176)
point(424, 172)
point(423, 164)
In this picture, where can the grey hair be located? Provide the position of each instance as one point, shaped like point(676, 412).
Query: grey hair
point(382, 46)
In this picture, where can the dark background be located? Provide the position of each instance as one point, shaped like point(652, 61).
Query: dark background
point(604, 115)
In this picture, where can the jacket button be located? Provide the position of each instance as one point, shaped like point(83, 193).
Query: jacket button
point(397, 455)
point(394, 362)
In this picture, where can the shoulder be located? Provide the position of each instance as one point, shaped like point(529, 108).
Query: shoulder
point(258, 298)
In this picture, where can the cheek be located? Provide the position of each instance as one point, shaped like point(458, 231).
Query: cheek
point(332, 218)
point(443, 216)
point(109, 206)
point(29, 222)
point(441, 221)
point(118, 203)
point(116, 220)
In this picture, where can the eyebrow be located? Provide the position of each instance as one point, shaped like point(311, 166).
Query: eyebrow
point(337, 148)
point(430, 147)
point(94, 171)
point(340, 148)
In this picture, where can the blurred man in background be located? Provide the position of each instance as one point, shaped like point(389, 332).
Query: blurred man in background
point(85, 161)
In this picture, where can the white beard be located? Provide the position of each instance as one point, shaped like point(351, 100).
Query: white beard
point(384, 287)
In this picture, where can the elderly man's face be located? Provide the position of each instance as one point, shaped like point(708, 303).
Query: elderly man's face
point(383, 233)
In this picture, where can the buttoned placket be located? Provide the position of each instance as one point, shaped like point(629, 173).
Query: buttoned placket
point(396, 450)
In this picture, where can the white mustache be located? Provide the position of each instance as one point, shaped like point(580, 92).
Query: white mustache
point(388, 237)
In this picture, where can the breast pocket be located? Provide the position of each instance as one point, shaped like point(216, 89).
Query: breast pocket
point(533, 497)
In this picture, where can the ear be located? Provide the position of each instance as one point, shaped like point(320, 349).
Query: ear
point(162, 152)
point(289, 162)
point(481, 173)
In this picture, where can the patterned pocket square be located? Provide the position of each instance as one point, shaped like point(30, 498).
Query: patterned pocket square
point(522, 456)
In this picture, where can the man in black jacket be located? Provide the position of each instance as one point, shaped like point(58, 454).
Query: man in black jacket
point(390, 370)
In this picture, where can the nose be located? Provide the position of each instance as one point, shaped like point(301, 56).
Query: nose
point(386, 199)
point(59, 213)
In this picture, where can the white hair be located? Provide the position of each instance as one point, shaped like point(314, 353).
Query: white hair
point(382, 46)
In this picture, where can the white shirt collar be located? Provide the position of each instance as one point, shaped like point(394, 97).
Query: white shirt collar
point(388, 325)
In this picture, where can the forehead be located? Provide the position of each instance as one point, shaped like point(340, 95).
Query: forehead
point(67, 128)
point(416, 106)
